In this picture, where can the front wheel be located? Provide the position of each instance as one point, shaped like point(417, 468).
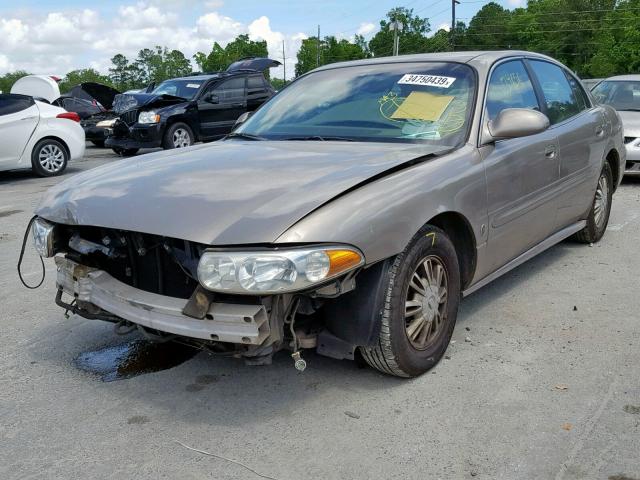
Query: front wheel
point(420, 307)
point(49, 158)
point(178, 135)
point(598, 217)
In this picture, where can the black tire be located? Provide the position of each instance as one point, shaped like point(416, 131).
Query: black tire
point(186, 136)
point(596, 224)
point(49, 158)
point(98, 143)
point(395, 354)
point(125, 152)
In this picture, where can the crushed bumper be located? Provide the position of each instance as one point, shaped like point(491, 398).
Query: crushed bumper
point(135, 136)
point(240, 324)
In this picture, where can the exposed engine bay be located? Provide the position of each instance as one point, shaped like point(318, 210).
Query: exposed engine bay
point(149, 283)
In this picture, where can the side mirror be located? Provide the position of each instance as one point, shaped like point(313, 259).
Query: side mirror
point(516, 122)
point(212, 98)
point(242, 118)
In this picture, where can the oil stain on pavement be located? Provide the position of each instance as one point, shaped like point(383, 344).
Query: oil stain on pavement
point(130, 359)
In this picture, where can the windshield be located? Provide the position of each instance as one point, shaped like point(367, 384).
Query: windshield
point(397, 102)
point(621, 95)
point(179, 88)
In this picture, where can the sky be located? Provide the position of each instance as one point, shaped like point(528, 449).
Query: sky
point(53, 37)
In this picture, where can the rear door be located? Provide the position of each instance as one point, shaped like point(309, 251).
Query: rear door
point(19, 117)
point(258, 91)
point(582, 135)
point(221, 105)
point(522, 173)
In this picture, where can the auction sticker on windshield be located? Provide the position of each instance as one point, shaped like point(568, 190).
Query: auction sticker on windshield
point(193, 85)
point(427, 80)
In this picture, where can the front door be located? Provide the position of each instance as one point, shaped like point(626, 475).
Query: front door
point(220, 106)
point(522, 173)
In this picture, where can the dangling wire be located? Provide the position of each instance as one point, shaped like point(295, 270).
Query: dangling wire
point(24, 243)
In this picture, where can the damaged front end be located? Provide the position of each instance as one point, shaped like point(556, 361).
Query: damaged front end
point(226, 301)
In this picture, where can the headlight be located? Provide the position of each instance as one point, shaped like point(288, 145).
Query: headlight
point(274, 271)
point(148, 117)
point(106, 123)
point(42, 232)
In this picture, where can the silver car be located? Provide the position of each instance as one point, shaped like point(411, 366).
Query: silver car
point(349, 214)
point(623, 94)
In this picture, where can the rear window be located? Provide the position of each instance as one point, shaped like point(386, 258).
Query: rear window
point(12, 103)
point(256, 82)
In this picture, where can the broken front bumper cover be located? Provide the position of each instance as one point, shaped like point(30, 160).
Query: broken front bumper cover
point(96, 289)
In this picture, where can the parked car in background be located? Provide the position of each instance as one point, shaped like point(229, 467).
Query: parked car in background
point(351, 212)
point(182, 111)
point(623, 94)
point(37, 135)
point(93, 102)
point(589, 83)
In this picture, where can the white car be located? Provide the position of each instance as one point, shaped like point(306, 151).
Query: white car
point(623, 94)
point(37, 135)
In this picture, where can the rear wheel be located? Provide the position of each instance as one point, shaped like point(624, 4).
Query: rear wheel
point(178, 135)
point(420, 307)
point(598, 217)
point(49, 158)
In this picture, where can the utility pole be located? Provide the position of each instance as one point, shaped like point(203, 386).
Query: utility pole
point(318, 48)
point(284, 64)
point(396, 26)
point(453, 22)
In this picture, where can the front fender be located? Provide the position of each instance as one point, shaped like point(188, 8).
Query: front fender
point(381, 217)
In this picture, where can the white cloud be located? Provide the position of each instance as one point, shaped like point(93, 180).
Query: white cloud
point(61, 41)
point(214, 4)
point(516, 3)
point(366, 28)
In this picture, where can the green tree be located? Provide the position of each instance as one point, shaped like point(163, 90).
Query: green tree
point(220, 58)
point(8, 79)
point(412, 38)
point(331, 50)
point(76, 77)
point(278, 83)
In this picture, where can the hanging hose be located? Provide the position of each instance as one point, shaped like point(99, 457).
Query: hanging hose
point(24, 243)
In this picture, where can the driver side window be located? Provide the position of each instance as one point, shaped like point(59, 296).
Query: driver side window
point(510, 87)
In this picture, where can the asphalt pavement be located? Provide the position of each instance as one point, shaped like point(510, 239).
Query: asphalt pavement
point(541, 381)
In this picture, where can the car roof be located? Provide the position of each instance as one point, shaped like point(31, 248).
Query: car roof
point(210, 76)
point(620, 78)
point(483, 56)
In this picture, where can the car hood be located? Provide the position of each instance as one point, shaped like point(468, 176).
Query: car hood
point(129, 101)
point(226, 193)
point(630, 123)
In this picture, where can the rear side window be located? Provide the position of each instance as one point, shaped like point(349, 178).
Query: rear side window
point(510, 87)
point(255, 82)
point(231, 90)
point(578, 92)
point(11, 103)
point(561, 103)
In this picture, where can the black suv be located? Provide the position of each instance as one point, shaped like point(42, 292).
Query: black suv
point(182, 111)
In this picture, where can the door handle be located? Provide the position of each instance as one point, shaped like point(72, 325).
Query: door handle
point(237, 104)
point(550, 151)
point(29, 118)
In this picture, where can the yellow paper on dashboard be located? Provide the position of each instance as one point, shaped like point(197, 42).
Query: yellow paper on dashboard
point(422, 106)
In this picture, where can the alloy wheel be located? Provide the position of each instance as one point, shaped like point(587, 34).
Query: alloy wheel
point(426, 302)
point(51, 158)
point(601, 203)
point(181, 138)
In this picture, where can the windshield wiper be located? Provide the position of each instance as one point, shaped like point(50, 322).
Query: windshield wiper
point(246, 136)
point(321, 138)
